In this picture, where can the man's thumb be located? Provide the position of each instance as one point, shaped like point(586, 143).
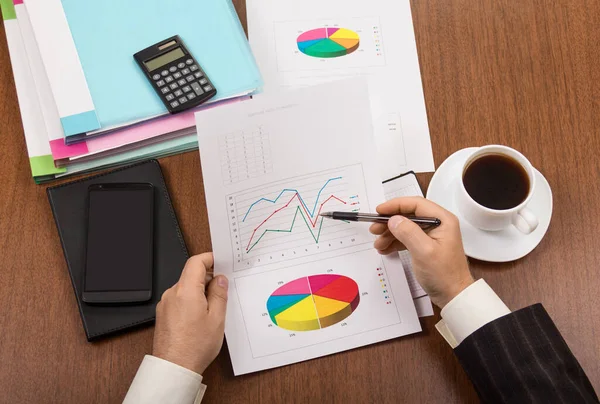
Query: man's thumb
point(409, 233)
point(217, 296)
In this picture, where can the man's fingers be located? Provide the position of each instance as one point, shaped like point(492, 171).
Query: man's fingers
point(414, 205)
point(217, 298)
point(378, 228)
point(394, 247)
point(384, 241)
point(194, 272)
point(409, 234)
point(207, 259)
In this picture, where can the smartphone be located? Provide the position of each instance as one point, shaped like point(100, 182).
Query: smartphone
point(120, 243)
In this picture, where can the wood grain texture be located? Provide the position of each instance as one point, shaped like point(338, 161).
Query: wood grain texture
point(525, 74)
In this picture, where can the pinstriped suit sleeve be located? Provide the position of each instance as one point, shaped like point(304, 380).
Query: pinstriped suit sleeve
point(522, 358)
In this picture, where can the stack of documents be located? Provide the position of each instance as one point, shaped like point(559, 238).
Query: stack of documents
point(85, 104)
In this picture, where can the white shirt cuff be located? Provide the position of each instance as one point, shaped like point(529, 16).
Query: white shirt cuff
point(470, 310)
point(160, 381)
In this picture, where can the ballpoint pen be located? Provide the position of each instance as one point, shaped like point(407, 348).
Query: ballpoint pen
point(424, 222)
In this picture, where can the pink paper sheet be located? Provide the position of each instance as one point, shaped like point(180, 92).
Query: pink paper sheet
point(133, 134)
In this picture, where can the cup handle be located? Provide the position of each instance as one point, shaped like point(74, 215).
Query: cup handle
point(525, 221)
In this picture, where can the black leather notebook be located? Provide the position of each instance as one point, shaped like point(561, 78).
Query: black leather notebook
point(69, 206)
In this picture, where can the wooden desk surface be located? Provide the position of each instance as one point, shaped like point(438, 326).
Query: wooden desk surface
point(525, 74)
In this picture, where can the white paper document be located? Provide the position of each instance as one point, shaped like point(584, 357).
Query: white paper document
point(298, 44)
point(407, 185)
point(300, 286)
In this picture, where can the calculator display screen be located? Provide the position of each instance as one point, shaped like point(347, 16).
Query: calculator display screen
point(164, 59)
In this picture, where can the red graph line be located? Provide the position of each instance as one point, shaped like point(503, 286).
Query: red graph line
point(304, 208)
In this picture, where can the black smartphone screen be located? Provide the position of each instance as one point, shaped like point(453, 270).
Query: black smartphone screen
point(120, 240)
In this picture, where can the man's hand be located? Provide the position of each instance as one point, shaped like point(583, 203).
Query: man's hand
point(438, 257)
point(189, 324)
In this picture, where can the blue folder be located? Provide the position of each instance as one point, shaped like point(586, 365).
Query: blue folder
point(108, 32)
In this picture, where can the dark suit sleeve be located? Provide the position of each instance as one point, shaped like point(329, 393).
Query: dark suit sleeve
point(522, 358)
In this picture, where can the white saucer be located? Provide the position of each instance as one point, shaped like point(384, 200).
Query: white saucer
point(497, 246)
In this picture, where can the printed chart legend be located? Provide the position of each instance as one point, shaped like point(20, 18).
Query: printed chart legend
point(383, 282)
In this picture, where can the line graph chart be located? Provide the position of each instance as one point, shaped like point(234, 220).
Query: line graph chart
point(296, 192)
point(281, 221)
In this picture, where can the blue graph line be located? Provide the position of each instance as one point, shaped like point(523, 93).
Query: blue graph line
point(299, 197)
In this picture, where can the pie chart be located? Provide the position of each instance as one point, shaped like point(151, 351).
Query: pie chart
point(328, 42)
point(313, 302)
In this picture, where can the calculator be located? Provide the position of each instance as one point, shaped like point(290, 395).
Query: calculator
point(175, 75)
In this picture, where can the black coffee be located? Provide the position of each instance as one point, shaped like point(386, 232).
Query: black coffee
point(496, 181)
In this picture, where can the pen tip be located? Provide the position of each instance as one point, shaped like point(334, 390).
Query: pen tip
point(326, 214)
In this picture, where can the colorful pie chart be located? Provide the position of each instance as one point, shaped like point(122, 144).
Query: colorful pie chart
point(313, 302)
point(328, 42)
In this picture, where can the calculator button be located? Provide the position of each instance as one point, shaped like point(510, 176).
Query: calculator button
point(181, 65)
point(173, 69)
point(208, 88)
point(164, 73)
point(190, 78)
point(189, 61)
point(160, 83)
point(170, 97)
point(156, 77)
point(203, 81)
point(173, 86)
point(191, 96)
point(181, 82)
point(197, 89)
point(174, 104)
point(185, 71)
point(178, 93)
point(182, 100)
point(198, 75)
point(176, 75)
point(164, 90)
point(193, 68)
point(169, 79)
point(186, 89)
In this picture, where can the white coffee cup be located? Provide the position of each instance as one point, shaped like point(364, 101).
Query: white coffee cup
point(492, 219)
